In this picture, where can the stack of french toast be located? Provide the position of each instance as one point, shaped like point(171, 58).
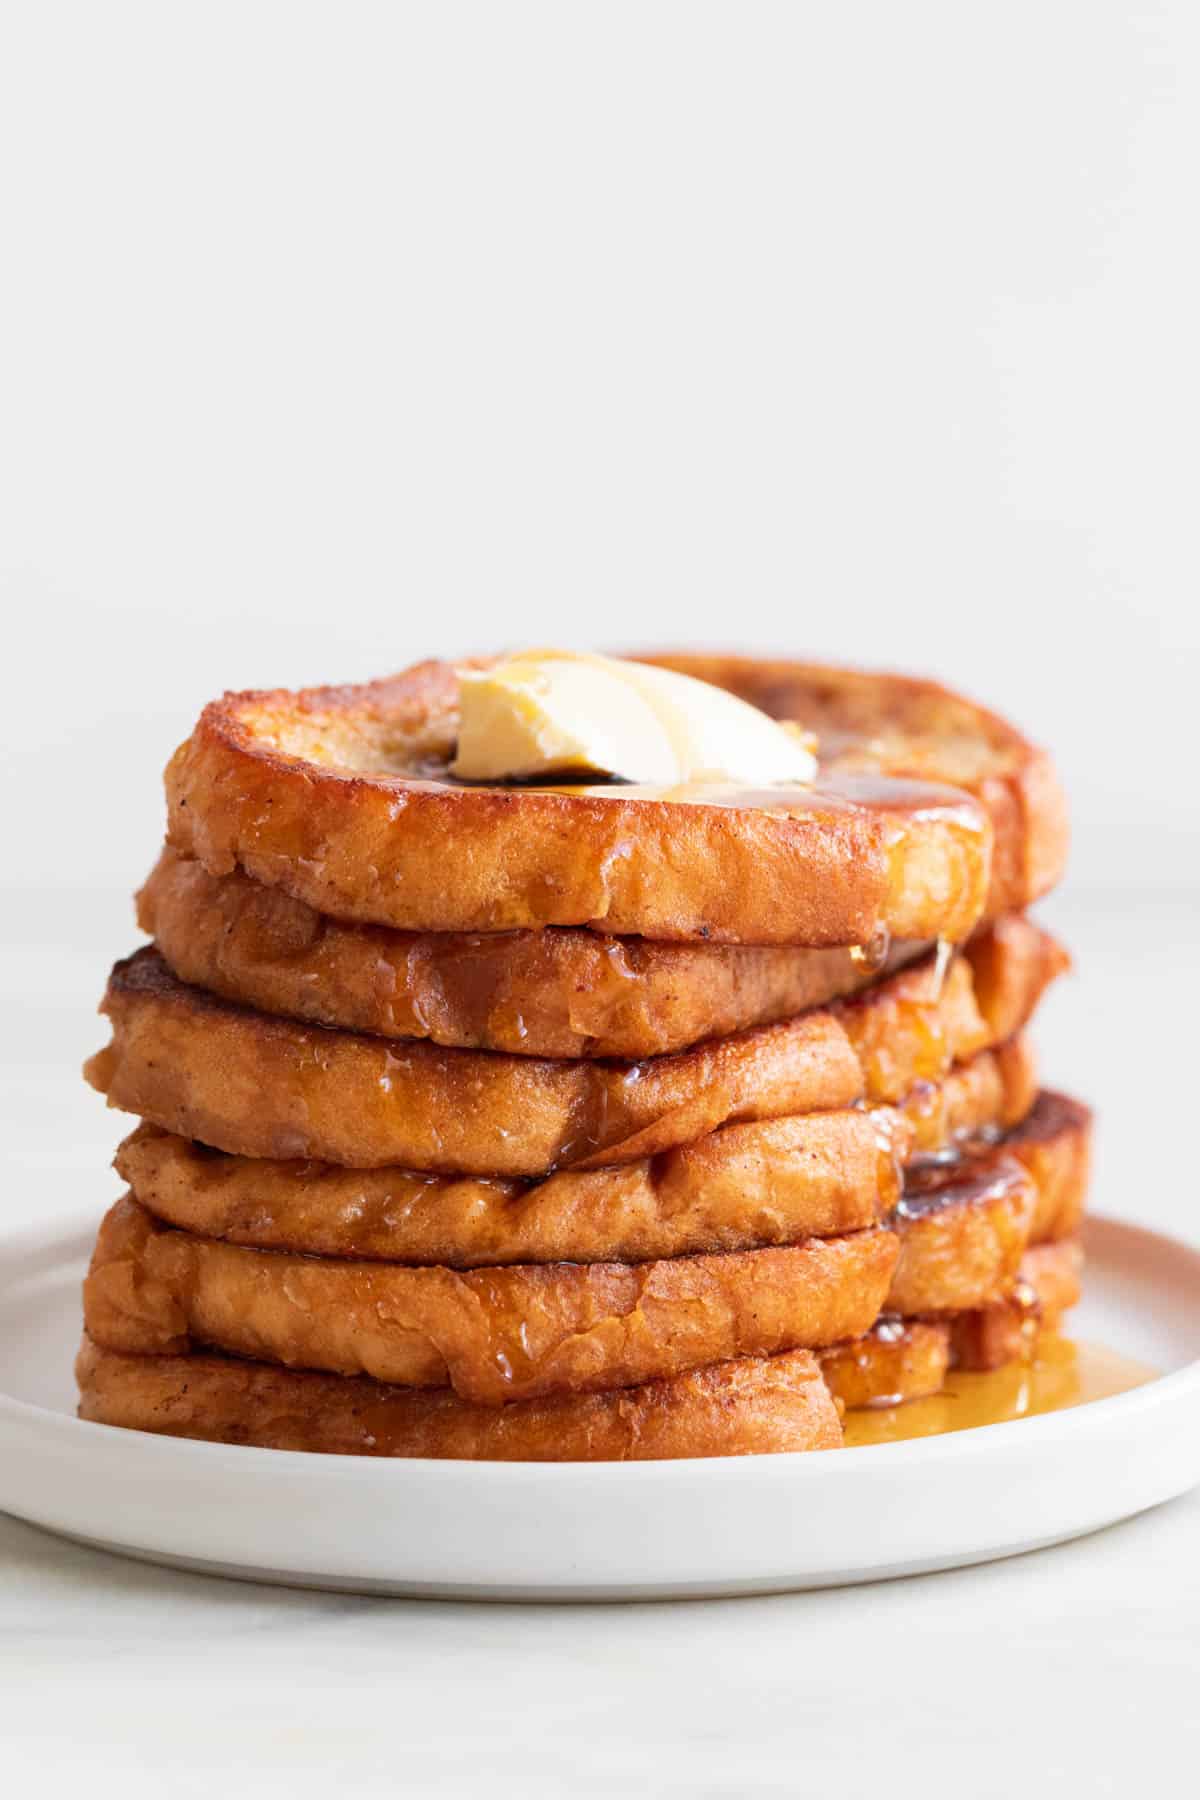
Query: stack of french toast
point(529, 1104)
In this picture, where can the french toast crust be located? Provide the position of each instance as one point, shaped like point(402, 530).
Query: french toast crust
point(1049, 1283)
point(897, 1360)
point(903, 1359)
point(752, 1406)
point(963, 1229)
point(957, 1245)
point(1054, 1141)
point(335, 794)
point(254, 1085)
point(494, 1335)
point(908, 725)
point(741, 1187)
point(749, 1406)
point(557, 992)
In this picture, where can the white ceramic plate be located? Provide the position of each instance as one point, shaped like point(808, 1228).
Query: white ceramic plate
point(615, 1531)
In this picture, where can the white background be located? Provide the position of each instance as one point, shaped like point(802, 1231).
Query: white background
point(333, 336)
point(336, 335)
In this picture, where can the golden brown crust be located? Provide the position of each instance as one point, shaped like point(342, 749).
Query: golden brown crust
point(908, 1359)
point(991, 1093)
point(1054, 1141)
point(901, 725)
point(752, 1407)
point(554, 993)
point(973, 1232)
point(739, 1188)
point(971, 1228)
point(333, 794)
point(963, 1229)
point(259, 1086)
point(494, 1335)
point(897, 1360)
point(1013, 961)
point(1055, 1273)
point(1048, 1285)
point(913, 1027)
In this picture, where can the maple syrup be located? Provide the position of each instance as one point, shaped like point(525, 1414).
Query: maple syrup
point(833, 791)
point(1062, 1374)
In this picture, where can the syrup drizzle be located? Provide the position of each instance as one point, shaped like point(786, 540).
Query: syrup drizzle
point(1063, 1374)
point(833, 791)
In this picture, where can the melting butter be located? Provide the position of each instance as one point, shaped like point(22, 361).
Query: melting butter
point(547, 713)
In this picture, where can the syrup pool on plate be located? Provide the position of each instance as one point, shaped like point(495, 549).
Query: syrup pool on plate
point(1063, 1373)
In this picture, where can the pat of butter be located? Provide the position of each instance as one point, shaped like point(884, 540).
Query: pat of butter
point(549, 713)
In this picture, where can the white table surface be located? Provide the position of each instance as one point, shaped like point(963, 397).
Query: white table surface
point(1071, 1671)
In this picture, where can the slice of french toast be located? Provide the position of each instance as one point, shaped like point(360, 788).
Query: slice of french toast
point(741, 1187)
point(343, 797)
point(559, 992)
point(1054, 1141)
point(554, 993)
point(903, 726)
point(963, 1227)
point(751, 1407)
point(978, 1226)
point(494, 1335)
point(897, 1360)
point(773, 1181)
point(255, 1085)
